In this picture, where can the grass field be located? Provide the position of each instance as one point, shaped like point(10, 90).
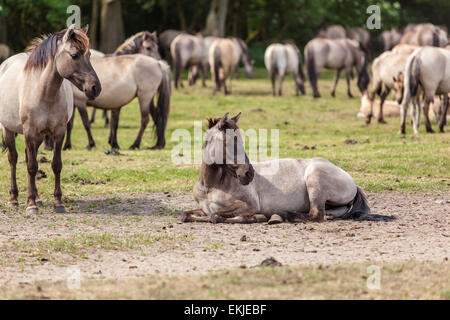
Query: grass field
point(380, 161)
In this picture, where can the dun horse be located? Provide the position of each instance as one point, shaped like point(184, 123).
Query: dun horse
point(233, 190)
point(244, 57)
point(37, 100)
point(426, 69)
point(389, 38)
point(336, 54)
point(223, 60)
point(186, 50)
point(281, 59)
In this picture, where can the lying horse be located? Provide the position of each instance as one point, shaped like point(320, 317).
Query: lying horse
point(223, 60)
point(231, 189)
point(427, 69)
point(281, 59)
point(337, 54)
point(37, 100)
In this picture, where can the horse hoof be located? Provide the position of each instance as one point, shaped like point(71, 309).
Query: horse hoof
point(260, 218)
point(215, 218)
point(133, 147)
point(156, 147)
point(275, 219)
point(32, 210)
point(68, 147)
point(382, 121)
point(59, 209)
point(12, 204)
point(39, 203)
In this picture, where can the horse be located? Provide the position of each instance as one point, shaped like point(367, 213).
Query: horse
point(425, 34)
point(144, 42)
point(404, 48)
point(5, 52)
point(363, 37)
point(231, 189)
point(331, 32)
point(336, 54)
point(37, 100)
point(165, 40)
point(385, 68)
point(389, 38)
point(96, 53)
point(124, 78)
point(194, 70)
point(223, 60)
point(427, 69)
point(281, 59)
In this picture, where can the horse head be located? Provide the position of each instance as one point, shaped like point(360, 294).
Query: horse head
point(224, 148)
point(149, 45)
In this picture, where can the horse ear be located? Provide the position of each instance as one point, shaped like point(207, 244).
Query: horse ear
point(69, 33)
point(237, 117)
point(155, 35)
point(223, 121)
point(85, 29)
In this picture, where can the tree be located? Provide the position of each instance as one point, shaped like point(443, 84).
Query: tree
point(216, 20)
point(112, 31)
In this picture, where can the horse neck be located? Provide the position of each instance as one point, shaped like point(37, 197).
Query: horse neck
point(50, 81)
point(213, 176)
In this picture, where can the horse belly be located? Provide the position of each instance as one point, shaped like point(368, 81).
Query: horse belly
point(115, 95)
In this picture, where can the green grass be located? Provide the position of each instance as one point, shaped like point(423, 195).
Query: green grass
point(381, 160)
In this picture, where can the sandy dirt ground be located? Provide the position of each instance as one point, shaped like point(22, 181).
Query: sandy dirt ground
point(421, 231)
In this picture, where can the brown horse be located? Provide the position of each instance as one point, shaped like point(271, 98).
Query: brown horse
point(37, 100)
point(233, 190)
point(337, 54)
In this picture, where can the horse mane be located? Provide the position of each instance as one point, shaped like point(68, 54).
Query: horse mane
point(227, 125)
point(132, 44)
point(43, 49)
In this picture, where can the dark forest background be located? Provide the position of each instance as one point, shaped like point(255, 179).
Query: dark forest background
point(258, 22)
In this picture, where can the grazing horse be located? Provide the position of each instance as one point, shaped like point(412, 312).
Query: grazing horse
point(281, 59)
point(336, 54)
point(385, 68)
point(186, 50)
point(427, 68)
point(223, 60)
point(389, 38)
point(5, 52)
point(124, 78)
point(425, 34)
point(231, 189)
point(331, 32)
point(363, 37)
point(37, 100)
point(144, 42)
point(194, 70)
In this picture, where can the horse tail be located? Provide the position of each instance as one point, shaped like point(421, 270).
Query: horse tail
point(412, 75)
point(217, 65)
point(161, 114)
point(359, 206)
point(2, 144)
point(311, 69)
point(177, 63)
point(436, 38)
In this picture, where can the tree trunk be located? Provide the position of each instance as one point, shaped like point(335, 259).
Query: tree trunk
point(2, 30)
point(93, 28)
point(112, 31)
point(181, 15)
point(222, 14)
point(216, 20)
point(211, 20)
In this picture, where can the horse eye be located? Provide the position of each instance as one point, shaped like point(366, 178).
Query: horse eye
point(75, 56)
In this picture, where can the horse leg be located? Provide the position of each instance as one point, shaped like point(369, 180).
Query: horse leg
point(57, 167)
point(105, 115)
point(204, 69)
point(336, 79)
point(93, 115)
point(144, 105)
point(382, 99)
point(316, 202)
point(403, 113)
point(348, 76)
point(68, 144)
point(87, 126)
point(414, 117)
point(31, 146)
point(196, 215)
point(237, 212)
point(9, 138)
point(280, 83)
point(426, 108)
point(443, 116)
point(273, 76)
point(114, 124)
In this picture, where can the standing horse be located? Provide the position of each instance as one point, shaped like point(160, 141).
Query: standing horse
point(331, 32)
point(223, 59)
point(363, 37)
point(385, 69)
point(194, 70)
point(425, 34)
point(165, 40)
point(124, 78)
point(231, 189)
point(37, 100)
point(336, 54)
point(281, 59)
point(404, 48)
point(186, 50)
point(389, 38)
point(144, 42)
point(427, 68)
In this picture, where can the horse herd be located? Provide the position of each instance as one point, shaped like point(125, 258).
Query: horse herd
point(40, 88)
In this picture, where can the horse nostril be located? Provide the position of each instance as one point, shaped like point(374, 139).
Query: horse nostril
point(248, 174)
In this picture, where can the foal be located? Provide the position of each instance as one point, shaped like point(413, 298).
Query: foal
point(37, 100)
